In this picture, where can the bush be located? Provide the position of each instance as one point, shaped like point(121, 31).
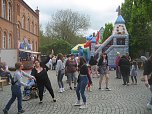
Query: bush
point(59, 46)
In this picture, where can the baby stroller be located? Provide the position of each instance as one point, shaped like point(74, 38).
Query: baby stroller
point(30, 91)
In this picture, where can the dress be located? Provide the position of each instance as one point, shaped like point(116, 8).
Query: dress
point(103, 68)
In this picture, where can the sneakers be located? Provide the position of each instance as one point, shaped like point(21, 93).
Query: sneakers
point(63, 89)
point(60, 91)
point(149, 106)
point(83, 106)
point(40, 102)
point(54, 100)
point(20, 112)
point(108, 89)
point(71, 88)
point(5, 111)
point(26, 98)
point(77, 103)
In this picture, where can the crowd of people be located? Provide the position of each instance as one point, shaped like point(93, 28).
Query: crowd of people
point(78, 71)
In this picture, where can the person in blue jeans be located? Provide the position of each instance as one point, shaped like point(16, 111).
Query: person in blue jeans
point(27, 90)
point(82, 82)
point(16, 88)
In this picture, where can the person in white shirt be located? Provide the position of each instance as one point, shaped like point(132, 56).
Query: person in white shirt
point(60, 70)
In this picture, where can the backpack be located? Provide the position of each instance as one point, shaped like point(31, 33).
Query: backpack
point(12, 79)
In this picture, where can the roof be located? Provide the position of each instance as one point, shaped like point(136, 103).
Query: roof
point(120, 20)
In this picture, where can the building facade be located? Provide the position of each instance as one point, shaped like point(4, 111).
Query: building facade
point(17, 22)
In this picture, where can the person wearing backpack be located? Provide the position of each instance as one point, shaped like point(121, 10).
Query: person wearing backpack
point(16, 88)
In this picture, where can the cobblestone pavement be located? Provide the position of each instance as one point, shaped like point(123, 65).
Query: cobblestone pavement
point(120, 100)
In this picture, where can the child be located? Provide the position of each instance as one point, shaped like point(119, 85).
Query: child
point(27, 89)
point(89, 85)
point(134, 72)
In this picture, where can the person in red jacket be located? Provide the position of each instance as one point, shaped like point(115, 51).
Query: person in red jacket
point(118, 73)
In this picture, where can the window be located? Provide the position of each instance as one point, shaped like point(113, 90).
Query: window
point(18, 9)
point(4, 9)
point(9, 11)
point(33, 45)
point(35, 29)
point(4, 40)
point(32, 27)
point(121, 41)
point(28, 24)
point(9, 41)
point(18, 32)
point(36, 46)
point(23, 22)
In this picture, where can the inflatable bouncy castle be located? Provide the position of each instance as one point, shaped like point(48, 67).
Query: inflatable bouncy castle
point(117, 42)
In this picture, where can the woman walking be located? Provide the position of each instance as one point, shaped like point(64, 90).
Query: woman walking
point(60, 72)
point(42, 80)
point(71, 69)
point(103, 69)
point(82, 82)
point(134, 72)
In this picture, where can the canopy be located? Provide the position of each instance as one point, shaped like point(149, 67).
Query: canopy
point(29, 51)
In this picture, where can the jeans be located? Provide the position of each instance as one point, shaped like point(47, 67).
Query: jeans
point(81, 87)
point(59, 78)
point(16, 93)
point(72, 76)
point(151, 93)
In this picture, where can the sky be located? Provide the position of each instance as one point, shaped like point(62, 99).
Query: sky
point(99, 11)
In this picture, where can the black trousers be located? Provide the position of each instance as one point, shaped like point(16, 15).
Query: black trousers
point(125, 76)
point(41, 90)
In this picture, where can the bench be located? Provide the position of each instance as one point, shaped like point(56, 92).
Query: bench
point(6, 80)
point(2, 83)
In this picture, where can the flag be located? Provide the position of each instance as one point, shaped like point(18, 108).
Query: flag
point(97, 37)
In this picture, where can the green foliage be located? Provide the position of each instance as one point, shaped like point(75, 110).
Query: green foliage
point(58, 46)
point(138, 17)
point(107, 31)
point(63, 32)
point(67, 24)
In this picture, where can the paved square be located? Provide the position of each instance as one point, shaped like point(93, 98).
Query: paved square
point(121, 100)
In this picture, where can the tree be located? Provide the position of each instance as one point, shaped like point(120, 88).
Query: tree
point(138, 21)
point(67, 24)
point(107, 31)
point(59, 46)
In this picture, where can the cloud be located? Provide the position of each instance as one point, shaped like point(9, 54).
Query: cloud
point(100, 11)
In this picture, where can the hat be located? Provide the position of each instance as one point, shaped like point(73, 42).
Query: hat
point(118, 53)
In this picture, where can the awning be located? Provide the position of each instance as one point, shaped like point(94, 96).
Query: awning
point(29, 51)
